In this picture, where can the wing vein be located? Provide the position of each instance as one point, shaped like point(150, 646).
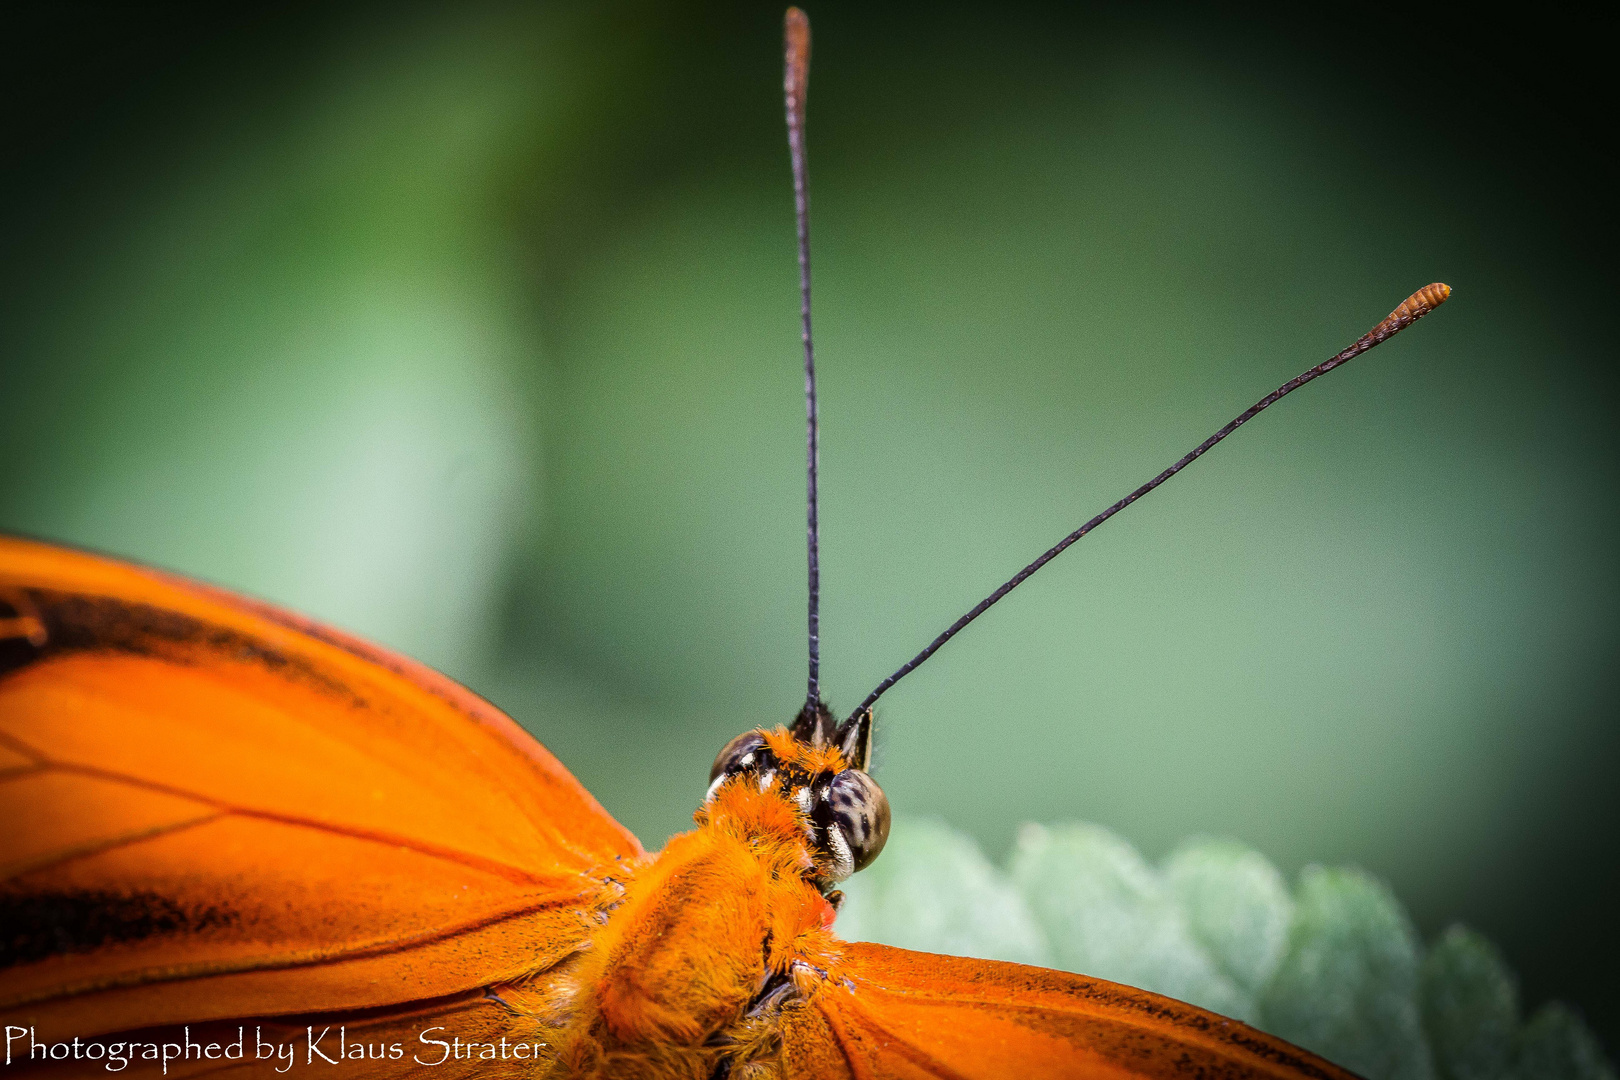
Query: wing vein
point(16, 745)
point(1233, 1038)
point(841, 1037)
point(514, 874)
point(110, 843)
point(916, 1055)
point(181, 973)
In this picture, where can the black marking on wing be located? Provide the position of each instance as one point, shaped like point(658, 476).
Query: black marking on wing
point(40, 925)
point(79, 623)
point(15, 653)
point(22, 632)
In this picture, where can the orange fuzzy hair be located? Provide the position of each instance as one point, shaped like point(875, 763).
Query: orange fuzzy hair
point(700, 930)
point(799, 755)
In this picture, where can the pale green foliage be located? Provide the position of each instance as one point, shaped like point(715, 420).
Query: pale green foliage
point(1347, 985)
point(1108, 913)
point(1334, 965)
point(1470, 1007)
point(935, 891)
point(1237, 905)
point(1555, 1045)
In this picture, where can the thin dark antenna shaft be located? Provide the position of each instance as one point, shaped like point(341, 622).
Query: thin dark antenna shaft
point(796, 78)
point(1412, 309)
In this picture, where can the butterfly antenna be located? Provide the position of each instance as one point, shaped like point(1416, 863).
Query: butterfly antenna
point(795, 81)
point(1411, 310)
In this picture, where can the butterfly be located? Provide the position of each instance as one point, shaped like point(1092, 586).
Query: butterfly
point(241, 842)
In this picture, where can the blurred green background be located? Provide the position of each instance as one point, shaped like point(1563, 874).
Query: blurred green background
point(472, 328)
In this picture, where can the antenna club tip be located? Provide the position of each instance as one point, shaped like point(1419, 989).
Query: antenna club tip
point(1412, 309)
point(1424, 300)
point(796, 37)
point(796, 42)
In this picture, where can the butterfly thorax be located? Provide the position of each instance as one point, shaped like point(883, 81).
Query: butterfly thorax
point(713, 937)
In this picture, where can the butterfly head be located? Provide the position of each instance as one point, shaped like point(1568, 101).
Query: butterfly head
point(819, 766)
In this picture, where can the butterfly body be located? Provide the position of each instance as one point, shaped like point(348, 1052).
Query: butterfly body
point(227, 820)
point(711, 940)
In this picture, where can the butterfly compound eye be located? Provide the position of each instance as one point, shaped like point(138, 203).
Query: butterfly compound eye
point(857, 814)
point(746, 751)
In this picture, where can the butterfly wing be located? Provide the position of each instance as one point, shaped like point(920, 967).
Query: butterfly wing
point(216, 809)
point(902, 1014)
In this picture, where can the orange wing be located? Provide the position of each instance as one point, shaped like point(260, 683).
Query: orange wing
point(216, 809)
point(903, 1014)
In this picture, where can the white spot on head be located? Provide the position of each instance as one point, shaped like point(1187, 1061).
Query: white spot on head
point(843, 860)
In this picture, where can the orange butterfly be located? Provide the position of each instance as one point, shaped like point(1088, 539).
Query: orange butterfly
point(241, 842)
